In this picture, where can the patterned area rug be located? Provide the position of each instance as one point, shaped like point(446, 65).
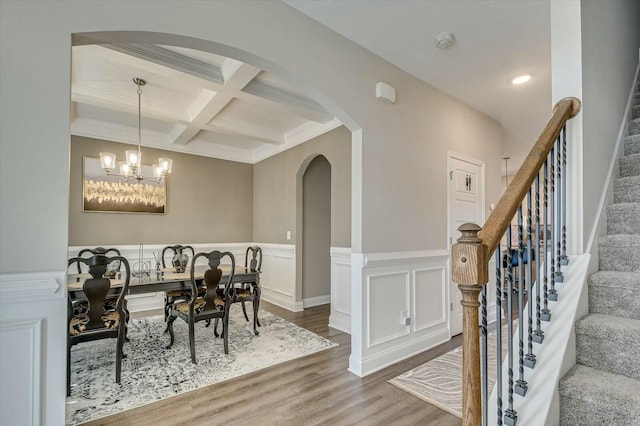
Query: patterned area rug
point(151, 373)
point(439, 381)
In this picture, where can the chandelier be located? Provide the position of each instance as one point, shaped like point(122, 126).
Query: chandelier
point(131, 168)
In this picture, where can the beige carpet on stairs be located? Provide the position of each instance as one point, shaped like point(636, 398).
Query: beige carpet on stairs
point(439, 381)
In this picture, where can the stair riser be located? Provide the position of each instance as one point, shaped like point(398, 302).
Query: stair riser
point(616, 353)
point(576, 412)
point(632, 145)
point(630, 165)
point(626, 190)
point(635, 112)
point(623, 219)
point(620, 302)
point(619, 258)
point(634, 127)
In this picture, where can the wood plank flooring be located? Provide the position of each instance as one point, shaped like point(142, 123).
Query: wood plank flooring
point(314, 390)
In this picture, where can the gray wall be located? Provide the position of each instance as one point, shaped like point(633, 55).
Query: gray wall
point(610, 42)
point(316, 226)
point(275, 183)
point(208, 201)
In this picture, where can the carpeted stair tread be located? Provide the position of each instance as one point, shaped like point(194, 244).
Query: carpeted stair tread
point(626, 190)
point(615, 293)
point(635, 111)
point(623, 218)
point(619, 253)
point(634, 127)
point(592, 397)
point(609, 343)
point(629, 165)
point(632, 145)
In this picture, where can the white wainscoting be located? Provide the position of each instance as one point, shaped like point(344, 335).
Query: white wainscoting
point(403, 298)
point(33, 310)
point(278, 278)
point(340, 317)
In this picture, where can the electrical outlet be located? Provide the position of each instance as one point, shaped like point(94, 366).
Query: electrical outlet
point(288, 235)
point(405, 319)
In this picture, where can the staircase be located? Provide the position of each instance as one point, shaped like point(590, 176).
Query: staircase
point(603, 388)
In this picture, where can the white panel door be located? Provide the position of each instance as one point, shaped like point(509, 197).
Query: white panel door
point(466, 204)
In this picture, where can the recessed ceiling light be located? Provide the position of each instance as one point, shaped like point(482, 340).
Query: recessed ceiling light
point(521, 79)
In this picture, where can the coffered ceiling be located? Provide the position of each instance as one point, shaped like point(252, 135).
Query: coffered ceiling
point(194, 102)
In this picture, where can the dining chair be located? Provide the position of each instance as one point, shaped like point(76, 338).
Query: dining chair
point(173, 295)
point(209, 306)
point(248, 291)
point(98, 323)
point(81, 306)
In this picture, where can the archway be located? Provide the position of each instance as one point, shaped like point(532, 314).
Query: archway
point(315, 222)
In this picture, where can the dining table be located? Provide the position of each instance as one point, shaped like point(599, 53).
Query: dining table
point(166, 279)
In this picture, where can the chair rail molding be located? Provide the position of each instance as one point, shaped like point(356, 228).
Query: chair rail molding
point(404, 301)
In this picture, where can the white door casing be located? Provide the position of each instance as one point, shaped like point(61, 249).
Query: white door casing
point(465, 204)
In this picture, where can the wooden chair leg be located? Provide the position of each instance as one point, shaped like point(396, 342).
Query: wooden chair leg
point(255, 316)
point(225, 329)
point(192, 341)
point(68, 367)
point(215, 328)
point(256, 301)
point(119, 354)
point(244, 310)
point(170, 328)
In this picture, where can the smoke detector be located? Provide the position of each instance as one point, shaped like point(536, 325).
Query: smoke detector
point(444, 40)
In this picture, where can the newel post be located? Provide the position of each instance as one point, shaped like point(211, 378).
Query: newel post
point(469, 269)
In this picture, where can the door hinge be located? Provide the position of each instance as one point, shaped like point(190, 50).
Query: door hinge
point(451, 306)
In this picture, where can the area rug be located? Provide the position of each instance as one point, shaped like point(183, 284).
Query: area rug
point(439, 381)
point(151, 373)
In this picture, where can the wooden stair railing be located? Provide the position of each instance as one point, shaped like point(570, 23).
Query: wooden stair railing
point(470, 256)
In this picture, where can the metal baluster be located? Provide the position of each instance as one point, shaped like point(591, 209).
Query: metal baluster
point(564, 259)
point(552, 294)
point(499, 295)
point(559, 276)
point(545, 314)
point(530, 358)
point(485, 358)
point(538, 334)
point(521, 383)
point(510, 415)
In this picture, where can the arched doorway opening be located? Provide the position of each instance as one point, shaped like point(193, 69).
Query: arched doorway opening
point(314, 253)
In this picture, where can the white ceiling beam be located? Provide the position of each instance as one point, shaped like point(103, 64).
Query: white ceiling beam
point(87, 96)
point(299, 105)
point(170, 59)
point(237, 76)
point(228, 127)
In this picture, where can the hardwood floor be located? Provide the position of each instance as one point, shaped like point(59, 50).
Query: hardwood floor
point(313, 390)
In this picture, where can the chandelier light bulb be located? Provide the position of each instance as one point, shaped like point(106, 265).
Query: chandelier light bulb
point(521, 79)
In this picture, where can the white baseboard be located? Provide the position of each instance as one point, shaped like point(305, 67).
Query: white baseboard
point(310, 302)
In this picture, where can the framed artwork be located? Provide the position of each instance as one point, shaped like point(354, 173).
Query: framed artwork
point(102, 193)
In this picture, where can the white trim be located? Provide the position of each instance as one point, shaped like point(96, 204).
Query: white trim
point(280, 299)
point(396, 353)
point(613, 166)
point(340, 316)
point(310, 302)
point(34, 378)
point(32, 285)
point(371, 349)
point(295, 137)
point(372, 260)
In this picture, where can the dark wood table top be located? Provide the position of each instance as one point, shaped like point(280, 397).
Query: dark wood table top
point(166, 280)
